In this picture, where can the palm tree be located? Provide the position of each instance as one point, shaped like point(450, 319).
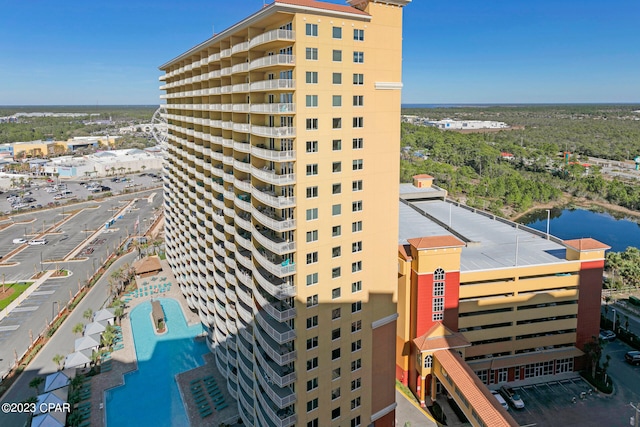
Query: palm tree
point(108, 336)
point(35, 383)
point(119, 312)
point(143, 167)
point(87, 314)
point(78, 328)
point(57, 359)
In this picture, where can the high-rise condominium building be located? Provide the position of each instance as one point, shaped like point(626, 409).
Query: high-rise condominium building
point(281, 206)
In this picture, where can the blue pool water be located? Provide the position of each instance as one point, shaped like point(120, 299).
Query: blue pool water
point(150, 396)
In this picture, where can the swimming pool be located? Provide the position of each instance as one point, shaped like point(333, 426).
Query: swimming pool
point(150, 396)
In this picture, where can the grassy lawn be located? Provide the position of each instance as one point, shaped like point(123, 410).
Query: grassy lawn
point(18, 288)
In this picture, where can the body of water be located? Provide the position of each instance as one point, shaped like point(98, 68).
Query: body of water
point(577, 223)
point(150, 395)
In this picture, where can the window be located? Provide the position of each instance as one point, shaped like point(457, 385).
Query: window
point(337, 32)
point(336, 231)
point(337, 55)
point(356, 266)
point(356, 206)
point(356, 326)
point(311, 30)
point(436, 317)
point(336, 210)
point(312, 100)
point(438, 275)
point(358, 79)
point(337, 78)
point(335, 272)
point(337, 123)
point(312, 146)
point(315, 423)
point(355, 403)
point(312, 301)
point(335, 413)
point(312, 343)
point(312, 384)
point(312, 258)
point(312, 169)
point(358, 122)
point(336, 145)
point(337, 101)
point(312, 124)
point(312, 364)
point(312, 53)
point(312, 404)
point(358, 35)
point(335, 313)
point(355, 422)
point(336, 167)
point(356, 364)
point(335, 334)
point(336, 189)
point(438, 289)
point(335, 353)
point(358, 164)
point(312, 279)
point(428, 361)
point(358, 100)
point(335, 393)
point(356, 185)
point(312, 322)
point(335, 293)
point(358, 143)
point(312, 214)
point(356, 306)
point(356, 226)
point(312, 236)
point(356, 384)
point(312, 77)
point(438, 304)
point(358, 57)
point(356, 286)
point(312, 192)
point(336, 252)
point(335, 374)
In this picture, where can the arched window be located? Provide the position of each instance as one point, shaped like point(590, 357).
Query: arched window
point(438, 275)
point(428, 360)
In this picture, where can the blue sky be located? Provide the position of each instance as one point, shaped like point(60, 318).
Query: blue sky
point(456, 51)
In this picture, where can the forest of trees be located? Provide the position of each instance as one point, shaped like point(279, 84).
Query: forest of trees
point(469, 166)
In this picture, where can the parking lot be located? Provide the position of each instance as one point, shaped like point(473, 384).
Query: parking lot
point(42, 194)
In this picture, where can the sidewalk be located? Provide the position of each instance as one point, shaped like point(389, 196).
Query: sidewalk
point(410, 414)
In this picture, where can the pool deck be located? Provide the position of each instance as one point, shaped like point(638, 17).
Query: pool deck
point(124, 360)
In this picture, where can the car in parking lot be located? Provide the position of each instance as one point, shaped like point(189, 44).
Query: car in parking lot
point(19, 241)
point(500, 399)
point(38, 242)
point(607, 335)
point(512, 397)
point(632, 357)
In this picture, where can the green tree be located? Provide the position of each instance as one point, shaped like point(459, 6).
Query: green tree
point(87, 314)
point(35, 383)
point(58, 359)
point(78, 328)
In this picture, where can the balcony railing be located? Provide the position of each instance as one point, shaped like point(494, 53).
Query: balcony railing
point(269, 417)
point(268, 219)
point(281, 396)
point(270, 176)
point(274, 132)
point(279, 310)
point(280, 332)
point(273, 265)
point(280, 375)
point(272, 85)
point(270, 198)
point(272, 242)
point(281, 354)
point(272, 36)
point(279, 156)
point(282, 108)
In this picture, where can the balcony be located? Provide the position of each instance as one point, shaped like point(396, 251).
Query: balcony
point(241, 108)
point(281, 354)
point(270, 417)
point(280, 375)
point(275, 286)
point(274, 132)
point(279, 310)
point(268, 218)
point(266, 85)
point(240, 68)
point(271, 177)
point(244, 294)
point(240, 47)
point(273, 155)
point(271, 241)
point(280, 332)
point(244, 240)
point(242, 127)
point(273, 35)
point(281, 396)
point(278, 108)
point(270, 198)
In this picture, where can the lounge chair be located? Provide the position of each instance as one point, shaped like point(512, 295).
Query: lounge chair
point(221, 407)
point(195, 381)
point(205, 413)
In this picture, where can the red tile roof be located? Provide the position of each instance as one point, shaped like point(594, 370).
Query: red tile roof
point(405, 252)
point(587, 244)
point(435, 242)
point(323, 5)
point(422, 176)
point(440, 337)
point(476, 393)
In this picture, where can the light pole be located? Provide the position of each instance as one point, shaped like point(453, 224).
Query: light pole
point(614, 319)
point(548, 220)
point(41, 261)
point(636, 418)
